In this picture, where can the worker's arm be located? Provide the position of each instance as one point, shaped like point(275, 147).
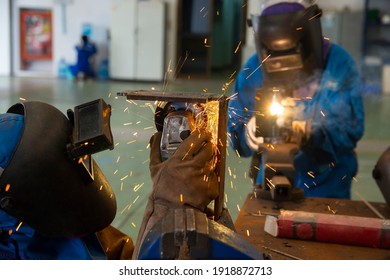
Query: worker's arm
point(242, 105)
point(338, 117)
point(186, 179)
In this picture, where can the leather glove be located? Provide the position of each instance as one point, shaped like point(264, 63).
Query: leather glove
point(187, 178)
point(252, 140)
point(301, 132)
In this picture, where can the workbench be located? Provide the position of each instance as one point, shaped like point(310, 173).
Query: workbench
point(250, 224)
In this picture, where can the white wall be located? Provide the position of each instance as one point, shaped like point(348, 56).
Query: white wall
point(5, 46)
point(67, 31)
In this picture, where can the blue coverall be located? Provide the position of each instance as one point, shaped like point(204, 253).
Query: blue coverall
point(336, 113)
point(83, 65)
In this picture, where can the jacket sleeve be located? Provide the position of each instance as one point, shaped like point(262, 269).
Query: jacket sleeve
point(242, 104)
point(338, 122)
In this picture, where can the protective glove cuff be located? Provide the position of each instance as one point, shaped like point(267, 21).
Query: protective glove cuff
point(251, 139)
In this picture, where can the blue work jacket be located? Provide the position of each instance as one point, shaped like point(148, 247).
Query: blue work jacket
point(327, 163)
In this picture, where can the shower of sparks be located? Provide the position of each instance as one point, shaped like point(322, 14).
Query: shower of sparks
point(125, 208)
point(238, 154)
point(232, 74)
point(238, 208)
point(116, 171)
point(322, 113)
point(148, 127)
point(19, 225)
point(22, 99)
point(125, 177)
point(121, 188)
point(201, 10)
point(316, 15)
point(233, 96)
point(205, 41)
point(354, 178)
point(299, 28)
point(131, 142)
point(238, 47)
point(306, 185)
point(192, 144)
point(181, 197)
point(117, 160)
point(269, 183)
point(136, 199)
point(247, 232)
point(261, 64)
point(270, 167)
point(10, 232)
point(7, 187)
point(331, 210)
point(327, 38)
point(133, 224)
point(101, 187)
point(311, 174)
point(109, 95)
point(137, 187)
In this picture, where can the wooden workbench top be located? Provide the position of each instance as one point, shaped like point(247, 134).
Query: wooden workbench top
point(250, 224)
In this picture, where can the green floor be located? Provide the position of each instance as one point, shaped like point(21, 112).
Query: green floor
point(126, 167)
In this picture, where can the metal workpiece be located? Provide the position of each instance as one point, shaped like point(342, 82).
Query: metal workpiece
point(221, 132)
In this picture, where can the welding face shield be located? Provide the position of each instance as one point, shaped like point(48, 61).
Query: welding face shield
point(289, 44)
point(47, 189)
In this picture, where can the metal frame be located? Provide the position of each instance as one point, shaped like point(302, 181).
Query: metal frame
point(222, 124)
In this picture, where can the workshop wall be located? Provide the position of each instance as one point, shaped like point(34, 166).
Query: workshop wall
point(69, 18)
point(5, 46)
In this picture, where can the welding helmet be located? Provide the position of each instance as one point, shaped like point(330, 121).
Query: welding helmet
point(42, 186)
point(289, 41)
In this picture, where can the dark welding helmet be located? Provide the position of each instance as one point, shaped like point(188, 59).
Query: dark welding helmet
point(46, 185)
point(288, 40)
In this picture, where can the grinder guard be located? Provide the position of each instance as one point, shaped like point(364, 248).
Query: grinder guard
point(46, 189)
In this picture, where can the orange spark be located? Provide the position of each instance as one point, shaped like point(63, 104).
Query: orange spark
point(238, 47)
point(7, 187)
point(18, 227)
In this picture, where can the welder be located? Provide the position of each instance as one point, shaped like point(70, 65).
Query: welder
point(52, 205)
point(324, 111)
point(55, 203)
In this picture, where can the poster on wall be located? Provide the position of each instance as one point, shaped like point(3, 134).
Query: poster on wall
point(36, 34)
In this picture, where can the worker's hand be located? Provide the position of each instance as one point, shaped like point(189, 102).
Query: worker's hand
point(252, 140)
point(187, 177)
